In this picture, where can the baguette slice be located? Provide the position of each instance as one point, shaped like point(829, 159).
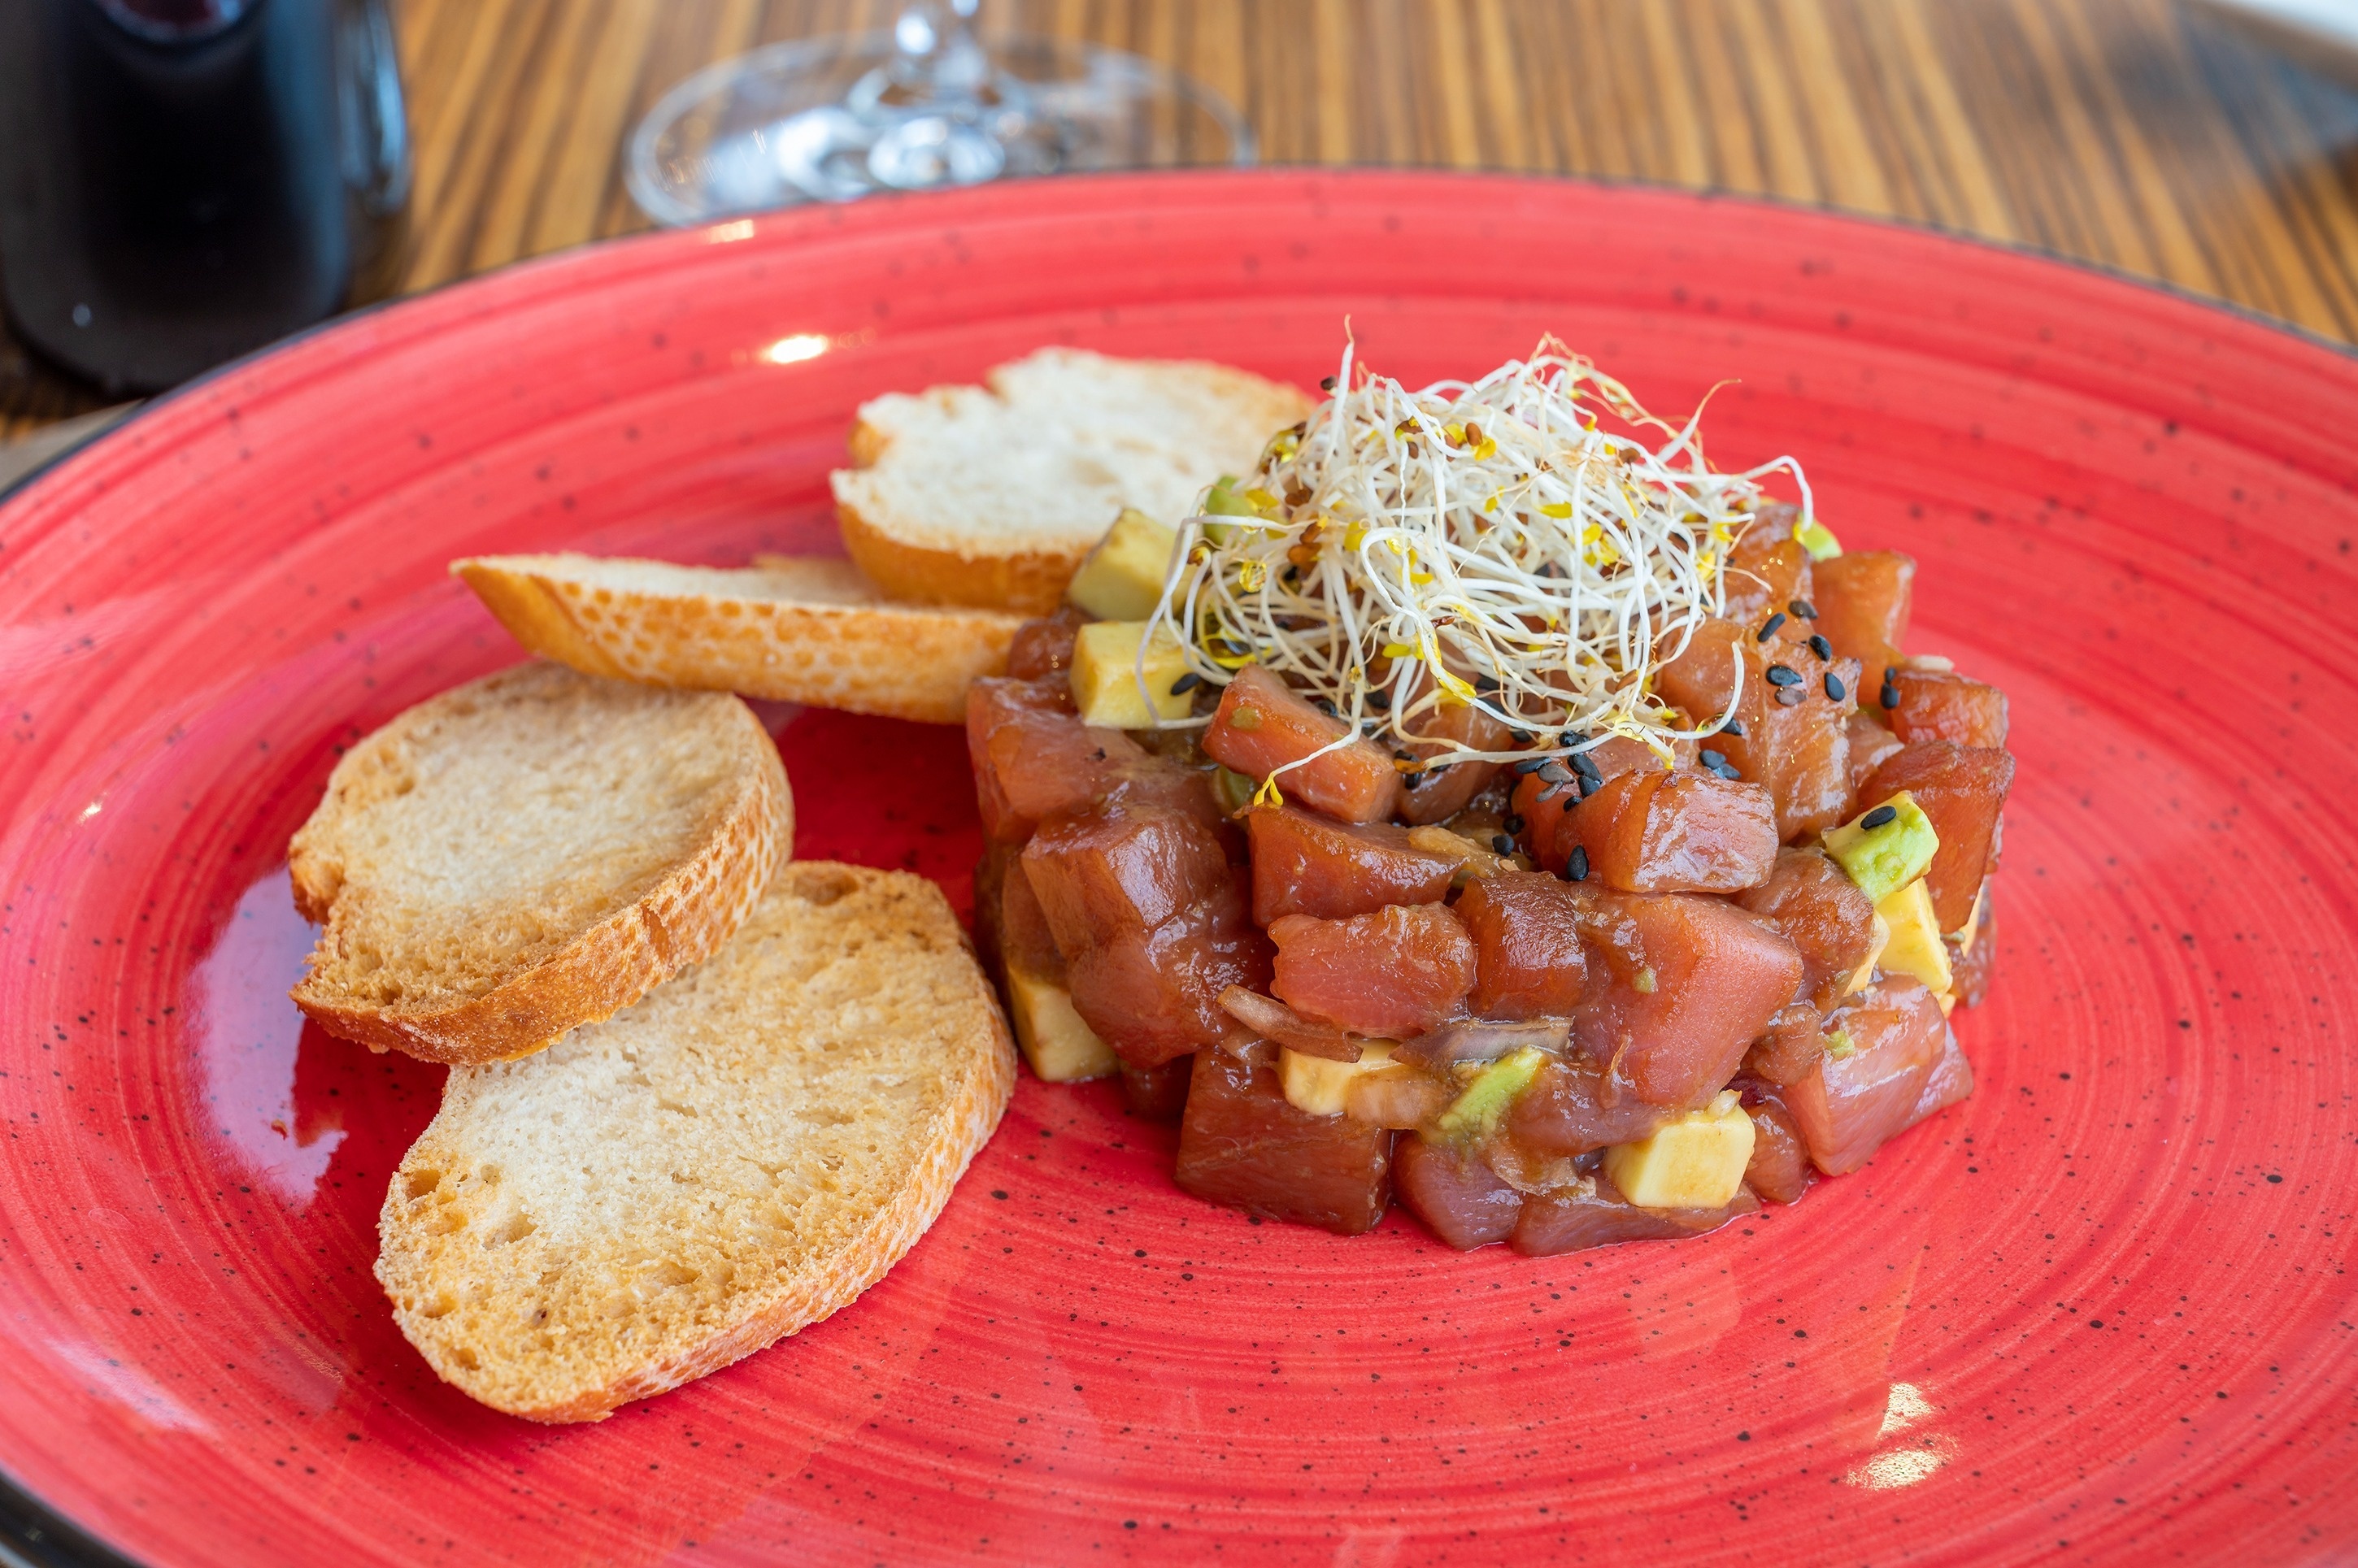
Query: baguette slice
point(990, 495)
point(737, 1156)
point(794, 628)
point(530, 853)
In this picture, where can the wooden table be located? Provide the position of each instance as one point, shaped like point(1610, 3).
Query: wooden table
point(2133, 133)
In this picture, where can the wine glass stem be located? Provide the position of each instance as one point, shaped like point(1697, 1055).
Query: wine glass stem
point(935, 53)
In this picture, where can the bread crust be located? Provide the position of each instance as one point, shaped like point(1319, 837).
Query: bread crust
point(937, 554)
point(681, 921)
point(976, 1096)
point(744, 630)
point(1025, 582)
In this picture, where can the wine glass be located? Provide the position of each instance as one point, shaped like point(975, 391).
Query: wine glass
point(924, 105)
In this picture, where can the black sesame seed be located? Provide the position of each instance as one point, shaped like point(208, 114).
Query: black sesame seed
point(1512, 825)
point(1834, 687)
point(1732, 727)
point(1555, 772)
point(1486, 685)
point(1804, 609)
point(1325, 383)
point(1412, 780)
point(1589, 785)
point(1713, 760)
point(1520, 737)
point(1381, 701)
point(1527, 765)
point(1323, 706)
point(1578, 868)
point(1586, 766)
point(1185, 684)
point(1769, 630)
point(1790, 696)
point(1501, 843)
point(1889, 695)
point(1729, 773)
point(1551, 792)
point(1821, 647)
point(1783, 675)
point(1403, 756)
point(1573, 737)
point(1880, 815)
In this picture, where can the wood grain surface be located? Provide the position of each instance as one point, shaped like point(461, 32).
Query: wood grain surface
point(2133, 133)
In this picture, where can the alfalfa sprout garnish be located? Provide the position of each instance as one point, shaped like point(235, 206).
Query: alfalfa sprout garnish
point(1489, 542)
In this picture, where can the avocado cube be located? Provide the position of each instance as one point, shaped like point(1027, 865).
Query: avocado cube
point(1059, 1047)
point(1818, 539)
point(1483, 1103)
point(1915, 947)
point(1121, 579)
point(1318, 1085)
point(1696, 1162)
point(1886, 858)
point(1105, 676)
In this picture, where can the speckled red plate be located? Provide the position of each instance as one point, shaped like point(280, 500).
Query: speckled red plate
point(2101, 1311)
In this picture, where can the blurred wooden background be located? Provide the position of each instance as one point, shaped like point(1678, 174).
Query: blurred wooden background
point(2135, 132)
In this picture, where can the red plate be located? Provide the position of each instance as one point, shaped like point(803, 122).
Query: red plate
point(2103, 1311)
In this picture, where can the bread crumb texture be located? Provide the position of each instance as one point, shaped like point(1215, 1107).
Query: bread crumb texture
point(991, 495)
point(793, 629)
point(738, 1154)
point(530, 852)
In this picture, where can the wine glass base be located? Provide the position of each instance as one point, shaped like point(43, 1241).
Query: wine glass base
point(824, 121)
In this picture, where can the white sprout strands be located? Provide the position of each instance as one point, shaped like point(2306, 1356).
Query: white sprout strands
point(1481, 543)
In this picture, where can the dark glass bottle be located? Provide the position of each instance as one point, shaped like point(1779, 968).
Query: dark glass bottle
point(184, 180)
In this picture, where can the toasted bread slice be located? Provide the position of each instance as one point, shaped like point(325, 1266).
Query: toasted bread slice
point(529, 853)
point(990, 495)
point(737, 1156)
point(798, 629)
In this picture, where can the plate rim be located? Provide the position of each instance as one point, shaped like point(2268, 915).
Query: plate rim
point(581, 250)
point(35, 1534)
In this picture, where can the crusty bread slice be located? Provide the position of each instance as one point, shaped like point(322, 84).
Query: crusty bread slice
point(735, 1157)
point(990, 495)
point(529, 853)
point(798, 629)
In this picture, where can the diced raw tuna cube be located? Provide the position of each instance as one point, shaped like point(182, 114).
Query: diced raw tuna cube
point(1941, 705)
point(1769, 568)
point(1442, 791)
point(1789, 1049)
point(1863, 599)
point(1871, 745)
point(1151, 923)
point(1779, 1168)
point(1595, 1215)
point(1961, 789)
point(1033, 759)
point(1157, 1094)
point(1242, 1144)
point(1529, 961)
point(1820, 911)
point(1681, 985)
point(1460, 1199)
point(1572, 1107)
point(1685, 831)
point(1044, 647)
point(1393, 973)
point(1262, 725)
point(1303, 864)
point(1798, 749)
point(1853, 1102)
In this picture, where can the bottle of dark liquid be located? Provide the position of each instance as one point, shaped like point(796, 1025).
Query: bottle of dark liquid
point(184, 180)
